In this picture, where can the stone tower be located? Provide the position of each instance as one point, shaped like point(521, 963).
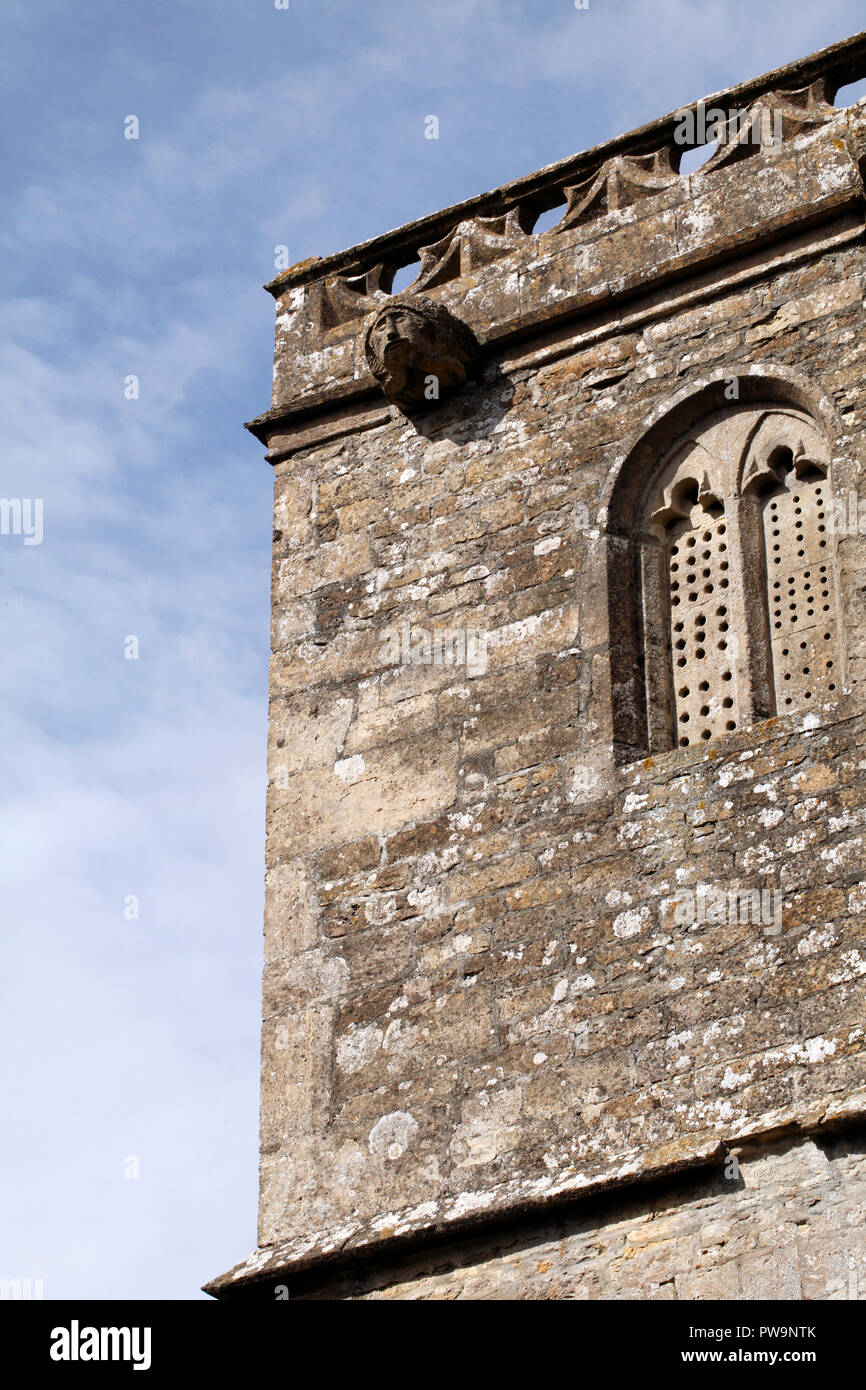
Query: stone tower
point(564, 945)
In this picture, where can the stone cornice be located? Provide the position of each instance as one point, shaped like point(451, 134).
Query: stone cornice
point(463, 1218)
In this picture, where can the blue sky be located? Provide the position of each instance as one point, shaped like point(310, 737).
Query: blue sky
point(138, 1038)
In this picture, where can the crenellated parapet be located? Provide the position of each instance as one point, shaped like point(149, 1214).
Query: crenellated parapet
point(629, 220)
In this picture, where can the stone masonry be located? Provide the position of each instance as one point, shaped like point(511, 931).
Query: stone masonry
point(564, 947)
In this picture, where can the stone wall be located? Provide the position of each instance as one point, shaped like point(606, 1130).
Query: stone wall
point(483, 995)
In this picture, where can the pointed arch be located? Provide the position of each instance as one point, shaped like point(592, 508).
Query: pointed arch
point(697, 516)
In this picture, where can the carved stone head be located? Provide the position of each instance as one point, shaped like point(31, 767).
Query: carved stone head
point(418, 351)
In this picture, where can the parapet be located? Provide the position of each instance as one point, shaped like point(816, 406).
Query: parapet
point(630, 223)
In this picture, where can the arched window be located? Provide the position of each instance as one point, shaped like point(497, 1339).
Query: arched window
point(723, 595)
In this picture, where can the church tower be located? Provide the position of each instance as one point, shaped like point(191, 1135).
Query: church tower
point(564, 943)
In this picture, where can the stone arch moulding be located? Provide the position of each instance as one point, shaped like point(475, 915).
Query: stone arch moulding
point(721, 569)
